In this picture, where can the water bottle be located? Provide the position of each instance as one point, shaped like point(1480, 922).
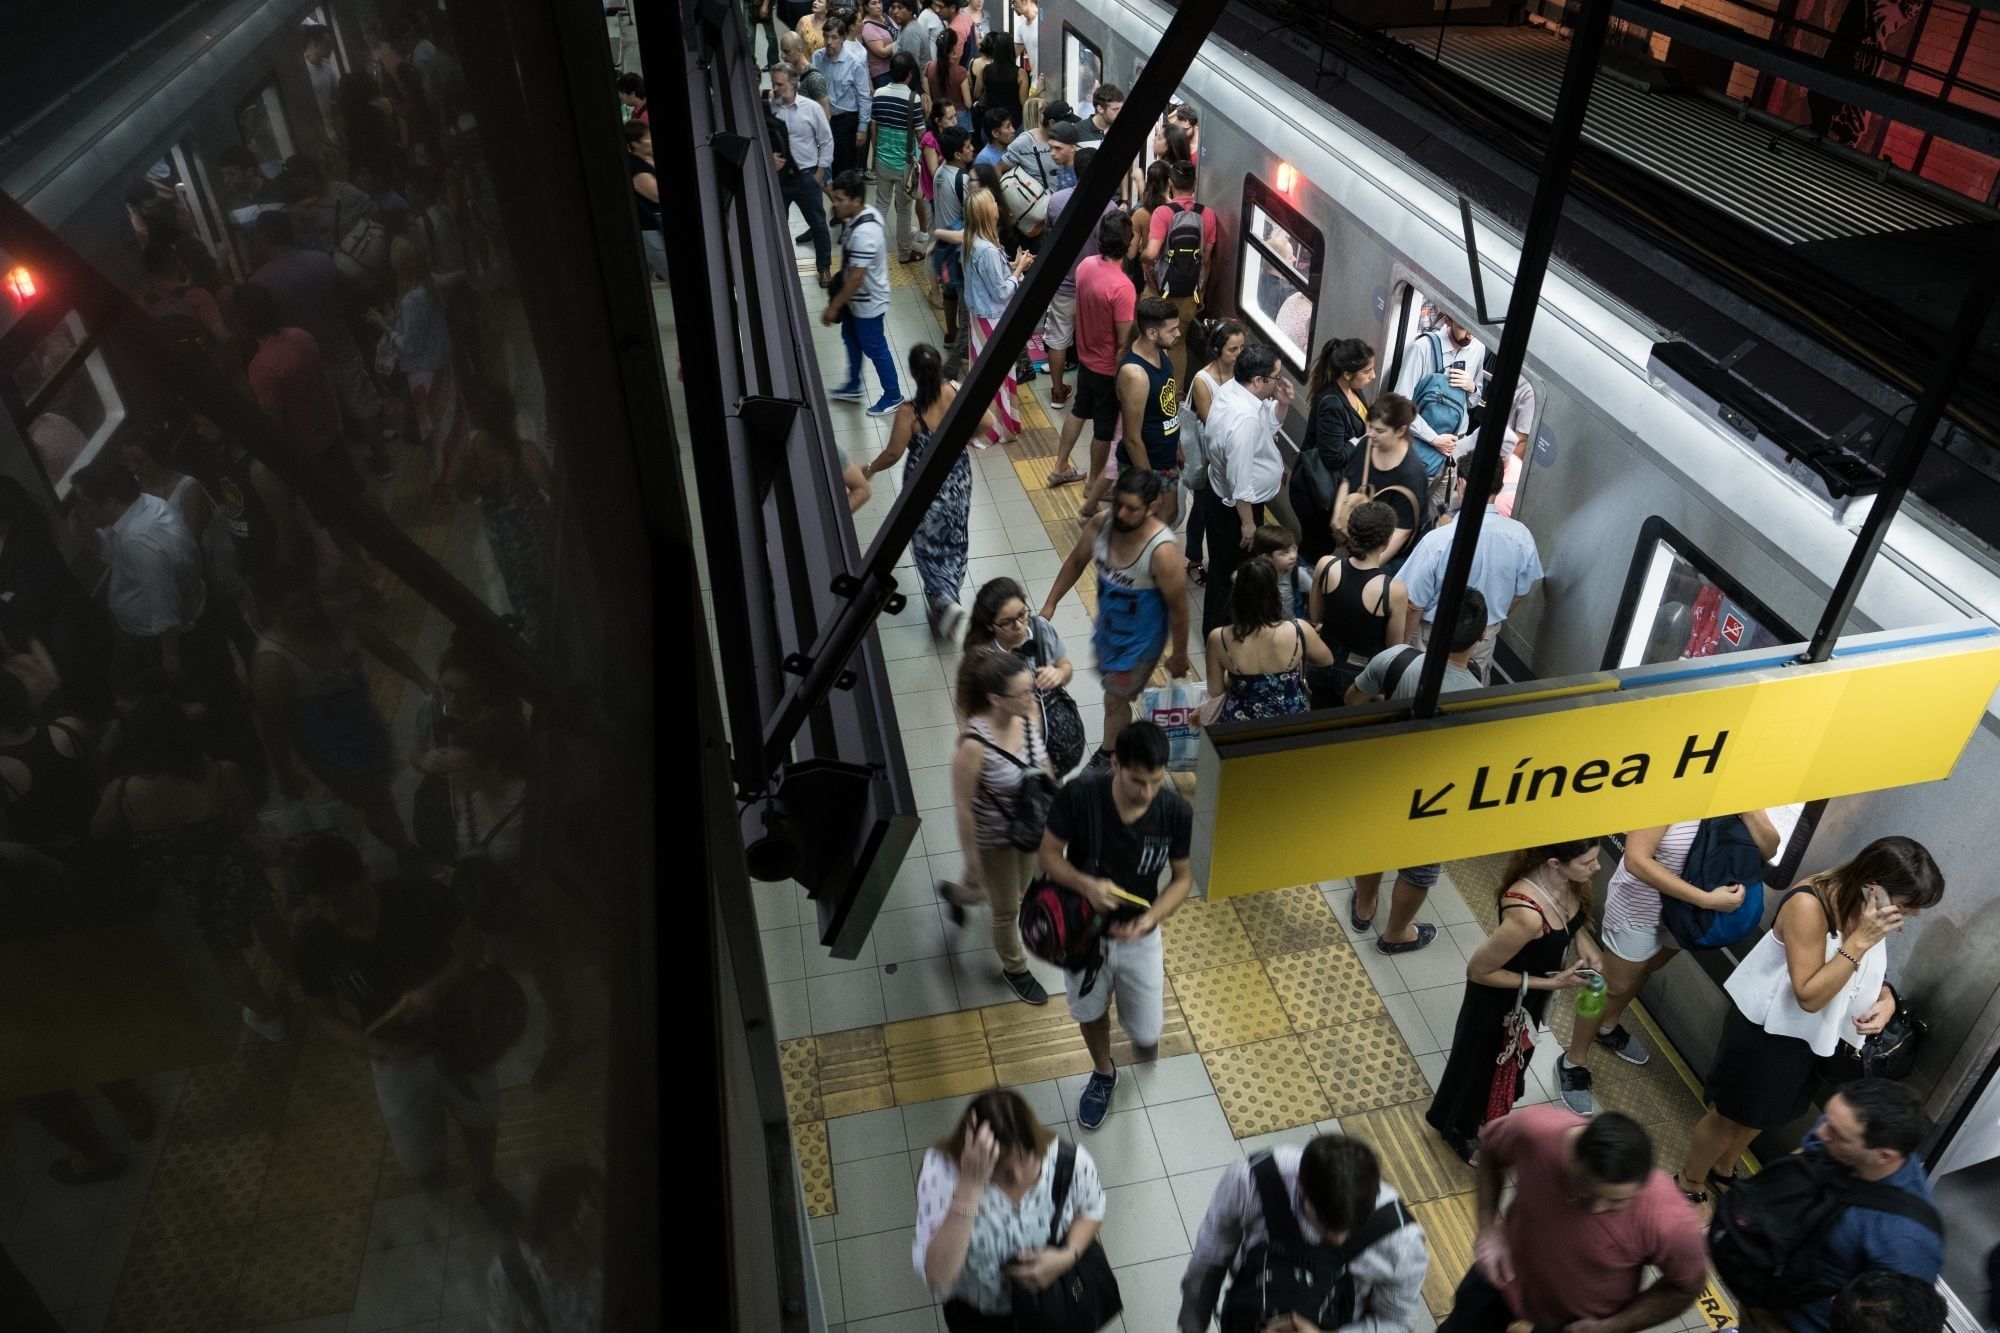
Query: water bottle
point(1590, 1004)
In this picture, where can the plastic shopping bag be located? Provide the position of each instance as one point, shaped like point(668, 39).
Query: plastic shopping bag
point(1173, 707)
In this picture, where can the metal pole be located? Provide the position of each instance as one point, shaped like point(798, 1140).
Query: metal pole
point(874, 580)
point(1910, 450)
point(1538, 239)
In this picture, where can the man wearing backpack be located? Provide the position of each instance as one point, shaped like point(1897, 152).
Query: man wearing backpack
point(1178, 254)
point(1439, 373)
point(1852, 1200)
point(1322, 1209)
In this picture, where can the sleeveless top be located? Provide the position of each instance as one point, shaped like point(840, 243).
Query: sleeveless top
point(1253, 694)
point(1546, 951)
point(61, 796)
point(1160, 431)
point(1194, 435)
point(240, 512)
point(1632, 904)
point(1349, 625)
point(1761, 986)
point(309, 680)
point(1131, 623)
point(1000, 780)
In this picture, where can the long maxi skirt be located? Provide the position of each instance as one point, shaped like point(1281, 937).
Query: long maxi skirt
point(1007, 404)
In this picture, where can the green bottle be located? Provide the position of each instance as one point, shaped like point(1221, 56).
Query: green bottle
point(1590, 1004)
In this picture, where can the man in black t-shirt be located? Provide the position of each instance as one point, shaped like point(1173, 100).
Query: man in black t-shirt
point(1110, 833)
point(374, 959)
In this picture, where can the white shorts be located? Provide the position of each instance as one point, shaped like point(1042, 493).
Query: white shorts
point(1059, 324)
point(1638, 946)
point(1136, 972)
point(418, 1098)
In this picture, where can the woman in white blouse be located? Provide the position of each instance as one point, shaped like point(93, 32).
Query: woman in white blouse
point(985, 1201)
point(1815, 979)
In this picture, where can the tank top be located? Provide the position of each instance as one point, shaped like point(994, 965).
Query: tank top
point(310, 680)
point(1194, 435)
point(1131, 623)
point(1761, 986)
point(1632, 904)
point(1000, 780)
point(240, 512)
point(1160, 430)
point(649, 209)
point(1350, 626)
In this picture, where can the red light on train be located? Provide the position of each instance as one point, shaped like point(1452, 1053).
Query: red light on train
point(20, 283)
point(1287, 177)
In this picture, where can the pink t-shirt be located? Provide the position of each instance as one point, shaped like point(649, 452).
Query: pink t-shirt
point(1104, 296)
point(1163, 218)
point(926, 178)
point(289, 382)
point(1568, 1263)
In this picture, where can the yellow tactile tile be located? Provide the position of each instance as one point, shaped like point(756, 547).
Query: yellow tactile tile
point(1412, 1156)
point(1648, 1093)
point(1323, 987)
point(1670, 1140)
point(240, 1096)
point(1031, 1043)
point(539, 1130)
point(321, 1165)
point(178, 1284)
point(1203, 935)
point(1477, 880)
point(1228, 1006)
point(941, 1056)
point(1288, 920)
point(207, 1184)
point(1365, 1065)
point(1265, 1086)
point(330, 1082)
point(798, 1061)
point(854, 1072)
point(1449, 1226)
point(815, 1167)
point(301, 1267)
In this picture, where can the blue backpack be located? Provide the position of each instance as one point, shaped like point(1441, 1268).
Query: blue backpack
point(1438, 402)
point(1723, 852)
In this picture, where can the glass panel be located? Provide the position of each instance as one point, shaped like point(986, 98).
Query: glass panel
point(50, 355)
point(73, 425)
point(1083, 70)
point(1273, 296)
point(1682, 615)
point(261, 123)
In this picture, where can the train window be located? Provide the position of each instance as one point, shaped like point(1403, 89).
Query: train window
point(72, 405)
point(1277, 267)
point(261, 123)
point(1083, 70)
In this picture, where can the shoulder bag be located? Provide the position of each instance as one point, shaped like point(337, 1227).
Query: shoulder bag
point(1029, 814)
point(1365, 492)
point(1085, 1298)
point(1890, 1053)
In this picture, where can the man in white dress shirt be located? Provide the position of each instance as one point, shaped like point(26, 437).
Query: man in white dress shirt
point(1245, 468)
point(153, 569)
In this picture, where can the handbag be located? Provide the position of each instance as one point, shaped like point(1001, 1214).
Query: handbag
point(479, 1019)
point(1029, 813)
point(1084, 1299)
point(1365, 492)
point(1890, 1053)
point(1517, 1043)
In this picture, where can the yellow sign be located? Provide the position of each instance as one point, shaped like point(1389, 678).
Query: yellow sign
point(1571, 760)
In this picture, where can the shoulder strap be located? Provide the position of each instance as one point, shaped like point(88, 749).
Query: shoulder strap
point(1059, 1189)
point(1436, 340)
point(524, 1286)
point(1394, 675)
point(1384, 1222)
point(1883, 1197)
point(1279, 1222)
point(1006, 754)
point(1523, 898)
point(497, 824)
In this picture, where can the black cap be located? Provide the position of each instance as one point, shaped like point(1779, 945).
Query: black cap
point(1058, 112)
point(1067, 131)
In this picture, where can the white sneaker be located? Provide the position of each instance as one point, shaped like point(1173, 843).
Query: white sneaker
point(270, 1029)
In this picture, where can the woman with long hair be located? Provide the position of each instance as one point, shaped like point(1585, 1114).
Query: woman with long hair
point(1387, 469)
point(1355, 604)
point(1336, 420)
point(1226, 338)
point(1544, 895)
point(1002, 618)
point(947, 81)
point(998, 81)
point(420, 338)
point(878, 38)
point(939, 547)
point(989, 285)
point(1817, 978)
point(1257, 662)
point(1157, 192)
point(812, 28)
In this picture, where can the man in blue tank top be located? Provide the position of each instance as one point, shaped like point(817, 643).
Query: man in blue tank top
point(1149, 399)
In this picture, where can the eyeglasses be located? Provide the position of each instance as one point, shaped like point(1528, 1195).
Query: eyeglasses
point(1021, 619)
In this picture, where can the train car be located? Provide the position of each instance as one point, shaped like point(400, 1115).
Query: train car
point(1663, 532)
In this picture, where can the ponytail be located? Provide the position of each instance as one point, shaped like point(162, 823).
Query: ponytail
point(927, 370)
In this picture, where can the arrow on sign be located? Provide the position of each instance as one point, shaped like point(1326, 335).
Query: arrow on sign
point(1422, 807)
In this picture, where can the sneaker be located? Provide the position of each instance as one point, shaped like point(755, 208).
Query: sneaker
point(1024, 985)
point(270, 1029)
point(1574, 1081)
point(1096, 1099)
point(883, 405)
point(1100, 759)
point(1624, 1045)
point(853, 395)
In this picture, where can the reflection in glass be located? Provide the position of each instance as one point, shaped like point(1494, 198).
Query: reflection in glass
point(1276, 293)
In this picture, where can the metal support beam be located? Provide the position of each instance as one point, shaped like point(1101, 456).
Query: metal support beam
point(1538, 240)
point(1472, 261)
point(874, 580)
point(1911, 447)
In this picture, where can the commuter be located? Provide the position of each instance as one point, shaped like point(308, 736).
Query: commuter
point(153, 586)
point(808, 154)
point(186, 313)
point(1815, 979)
point(1000, 618)
point(151, 458)
point(632, 96)
point(1034, 150)
point(1354, 602)
point(1245, 467)
point(1884, 1302)
point(1440, 376)
point(1105, 103)
point(1149, 408)
point(998, 81)
point(374, 960)
point(990, 283)
point(1180, 253)
point(1188, 119)
point(1394, 675)
point(1320, 1209)
point(1636, 944)
point(47, 791)
point(1274, 542)
point(848, 94)
point(41, 603)
point(418, 337)
point(323, 214)
point(1387, 470)
point(917, 30)
point(289, 380)
point(1112, 837)
point(1256, 662)
point(1336, 422)
point(1059, 324)
point(896, 117)
point(809, 82)
point(1589, 1214)
point(811, 29)
point(646, 194)
point(1105, 314)
point(1226, 339)
point(1141, 598)
point(878, 36)
point(259, 512)
point(859, 296)
point(948, 257)
point(313, 702)
point(938, 548)
point(469, 689)
point(1505, 567)
point(986, 1208)
point(1156, 188)
point(1028, 34)
point(507, 477)
point(1548, 891)
point(948, 83)
point(996, 126)
point(191, 824)
point(550, 1279)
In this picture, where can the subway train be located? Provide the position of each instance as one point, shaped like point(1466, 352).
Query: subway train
point(1663, 530)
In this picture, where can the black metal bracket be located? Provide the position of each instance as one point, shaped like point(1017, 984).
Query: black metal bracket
point(1472, 258)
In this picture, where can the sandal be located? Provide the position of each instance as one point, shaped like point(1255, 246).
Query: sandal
point(1068, 476)
point(1695, 1197)
point(1087, 512)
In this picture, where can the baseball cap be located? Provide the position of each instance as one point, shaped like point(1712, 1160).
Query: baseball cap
point(1057, 112)
point(1066, 131)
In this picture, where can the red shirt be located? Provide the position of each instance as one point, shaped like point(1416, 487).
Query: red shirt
point(1104, 296)
point(1569, 1264)
point(289, 382)
point(1163, 217)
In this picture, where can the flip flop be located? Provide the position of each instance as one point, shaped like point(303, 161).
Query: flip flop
point(1068, 476)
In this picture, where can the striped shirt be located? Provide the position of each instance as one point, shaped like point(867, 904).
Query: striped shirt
point(898, 117)
point(1632, 904)
point(999, 781)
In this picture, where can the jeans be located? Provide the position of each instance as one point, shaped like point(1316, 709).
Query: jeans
point(417, 1097)
point(864, 334)
point(770, 26)
point(656, 251)
point(803, 190)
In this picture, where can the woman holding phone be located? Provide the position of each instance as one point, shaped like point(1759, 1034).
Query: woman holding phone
point(1817, 978)
point(1543, 897)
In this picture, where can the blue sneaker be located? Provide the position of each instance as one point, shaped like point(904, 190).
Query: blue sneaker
point(883, 405)
point(1096, 1099)
point(849, 394)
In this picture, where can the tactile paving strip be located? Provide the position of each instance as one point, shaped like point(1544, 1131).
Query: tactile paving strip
point(206, 1185)
point(1288, 920)
point(941, 1056)
point(1365, 1065)
point(331, 1082)
point(1265, 1086)
point(815, 1168)
point(854, 1072)
point(239, 1096)
point(1449, 1226)
point(1477, 882)
point(178, 1284)
point(302, 1267)
point(798, 1062)
point(1203, 935)
point(1030, 1044)
point(1322, 987)
point(1228, 1006)
point(1412, 1156)
point(321, 1165)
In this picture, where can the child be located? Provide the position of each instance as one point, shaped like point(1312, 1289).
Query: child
point(1275, 542)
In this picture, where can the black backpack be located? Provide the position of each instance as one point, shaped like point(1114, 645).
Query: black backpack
point(1723, 852)
point(1178, 270)
point(1285, 1275)
point(1770, 1231)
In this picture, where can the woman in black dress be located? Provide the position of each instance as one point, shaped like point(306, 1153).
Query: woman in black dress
point(1542, 901)
point(1338, 417)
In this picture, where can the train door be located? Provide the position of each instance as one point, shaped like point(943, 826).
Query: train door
point(199, 201)
point(262, 125)
point(1278, 260)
